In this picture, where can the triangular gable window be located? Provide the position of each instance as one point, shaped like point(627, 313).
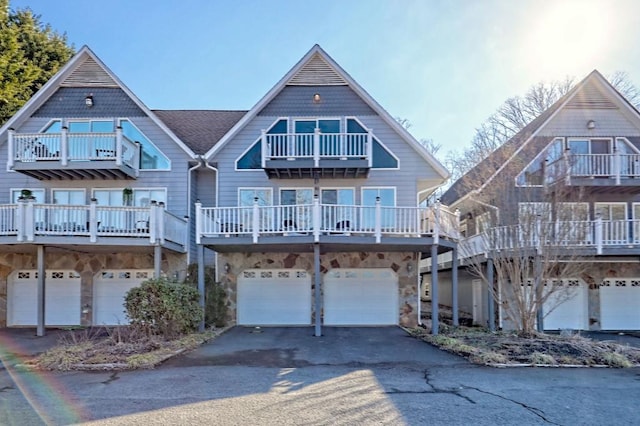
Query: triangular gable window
point(382, 158)
point(252, 158)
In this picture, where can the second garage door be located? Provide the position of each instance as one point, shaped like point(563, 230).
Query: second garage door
point(274, 297)
point(620, 304)
point(568, 307)
point(109, 290)
point(360, 297)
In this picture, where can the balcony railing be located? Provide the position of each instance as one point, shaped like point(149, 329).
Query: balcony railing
point(66, 147)
point(325, 219)
point(617, 166)
point(28, 221)
point(599, 234)
point(316, 146)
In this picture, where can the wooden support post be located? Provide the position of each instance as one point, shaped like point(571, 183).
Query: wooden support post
point(317, 279)
point(454, 286)
point(40, 296)
point(201, 283)
point(490, 300)
point(434, 290)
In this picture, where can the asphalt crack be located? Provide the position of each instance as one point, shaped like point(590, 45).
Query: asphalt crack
point(536, 411)
point(112, 378)
point(434, 390)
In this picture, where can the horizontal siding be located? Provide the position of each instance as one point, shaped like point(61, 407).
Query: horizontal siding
point(573, 122)
point(413, 167)
point(107, 102)
point(334, 100)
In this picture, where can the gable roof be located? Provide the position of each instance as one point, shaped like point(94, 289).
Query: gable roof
point(84, 69)
point(584, 95)
point(200, 130)
point(318, 68)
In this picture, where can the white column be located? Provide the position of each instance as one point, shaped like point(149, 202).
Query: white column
point(255, 227)
point(378, 221)
point(153, 236)
point(64, 146)
point(316, 216)
point(598, 232)
point(29, 220)
point(119, 146)
point(160, 221)
point(11, 150)
point(40, 297)
point(93, 220)
point(316, 147)
point(264, 147)
point(198, 221)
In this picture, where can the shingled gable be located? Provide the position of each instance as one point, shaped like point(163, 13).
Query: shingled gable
point(84, 69)
point(329, 73)
point(498, 159)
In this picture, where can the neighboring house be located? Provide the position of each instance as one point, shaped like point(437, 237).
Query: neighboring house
point(315, 216)
point(94, 200)
point(576, 170)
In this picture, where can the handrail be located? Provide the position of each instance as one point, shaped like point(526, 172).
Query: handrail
point(311, 145)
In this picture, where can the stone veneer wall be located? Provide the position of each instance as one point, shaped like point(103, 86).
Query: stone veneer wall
point(398, 262)
point(87, 265)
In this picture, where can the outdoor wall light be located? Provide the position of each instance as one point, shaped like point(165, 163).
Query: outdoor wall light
point(88, 100)
point(86, 308)
point(227, 268)
point(591, 124)
point(316, 98)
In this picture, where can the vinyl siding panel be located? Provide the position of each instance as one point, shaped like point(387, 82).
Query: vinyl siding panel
point(107, 102)
point(412, 166)
point(573, 122)
point(334, 100)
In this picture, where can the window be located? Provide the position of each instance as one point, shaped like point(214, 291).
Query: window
point(530, 212)
point(297, 217)
point(72, 219)
point(572, 223)
point(74, 197)
point(382, 158)
point(252, 158)
point(38, 194)
point(614, 227)
point(387, 199)
point(150, 156)
point(341, 217)
point(483, 222)
point(140, 197)
point(246, 196)
point(546, 168)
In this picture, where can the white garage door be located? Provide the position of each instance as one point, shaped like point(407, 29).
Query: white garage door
point(360, 297)
point(620, 304)
point(62, 298)
point(274, 297)
point(567, 307)
point(109, 290)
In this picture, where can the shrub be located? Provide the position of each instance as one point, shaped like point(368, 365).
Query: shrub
point(215, 305)
point(163, 307)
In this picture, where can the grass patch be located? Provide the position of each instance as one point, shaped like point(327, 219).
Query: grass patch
point(484, 347)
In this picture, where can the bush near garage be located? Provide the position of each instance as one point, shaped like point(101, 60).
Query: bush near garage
point(215, 306)
point(163, 307)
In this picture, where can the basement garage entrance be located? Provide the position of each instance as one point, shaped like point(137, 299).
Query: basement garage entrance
point(567, 307)
point(274, 297)
point(361, 297)
point(62, 298)
point(109, 290)
point(620, 304)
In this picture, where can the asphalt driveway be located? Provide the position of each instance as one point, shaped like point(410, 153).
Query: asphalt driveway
point(295, 347)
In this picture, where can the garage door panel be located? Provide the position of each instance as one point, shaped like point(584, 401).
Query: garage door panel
point(62, 298)
point(109, 290)
point(274, 297)
point(360, 297)
point(568, 307)
point(620, 305)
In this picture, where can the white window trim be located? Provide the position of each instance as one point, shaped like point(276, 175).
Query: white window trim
point(330, 188)
point(564, 147)
point(575, 203)
point(598, 205)
point(43, 190)
point(254, 188)
point(158, 188)
point(316, 119)
point(590, 138)
point(118, 122)
point(628, 142)
point(50, 122)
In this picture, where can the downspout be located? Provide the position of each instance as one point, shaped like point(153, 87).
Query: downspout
point(215, 170)
point(191, 169)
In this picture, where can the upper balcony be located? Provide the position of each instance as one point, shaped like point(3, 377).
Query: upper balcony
point(67, 155)
point(306, 155)
point(337, 227)
point(91, 225)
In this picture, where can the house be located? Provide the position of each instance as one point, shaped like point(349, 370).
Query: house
point(315, 218)
point(93, 200)
point(568, 185)
point(308, 203)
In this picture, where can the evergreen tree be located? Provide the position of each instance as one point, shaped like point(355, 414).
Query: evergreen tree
point(30, 54)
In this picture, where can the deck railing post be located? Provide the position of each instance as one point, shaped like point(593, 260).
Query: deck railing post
point(29, 219)
point(19, 220)
point(93, 220)
point(370, 147)
point(457, 213)
point(436, 222)
point(255, 228)
point(598, 232)
point(198, 221)
point(160, 217)
point(316, 147)
point(316, 215)
point(567, 166)
point(119, 146)
point(378, 221)
point(11, 150)
point(264, 147)
point(153, 222)
point(64, 146)
point(617, 163)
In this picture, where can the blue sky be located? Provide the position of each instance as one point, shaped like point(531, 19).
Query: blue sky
point(444, 65)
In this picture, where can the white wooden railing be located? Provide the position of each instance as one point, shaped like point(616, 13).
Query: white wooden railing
point(316, 146)
point(316, 219)
point(616, 166)
point(66, 146)
point(599, 234)
point(27, 221)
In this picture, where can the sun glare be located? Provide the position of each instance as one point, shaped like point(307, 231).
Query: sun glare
point(568, 37)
